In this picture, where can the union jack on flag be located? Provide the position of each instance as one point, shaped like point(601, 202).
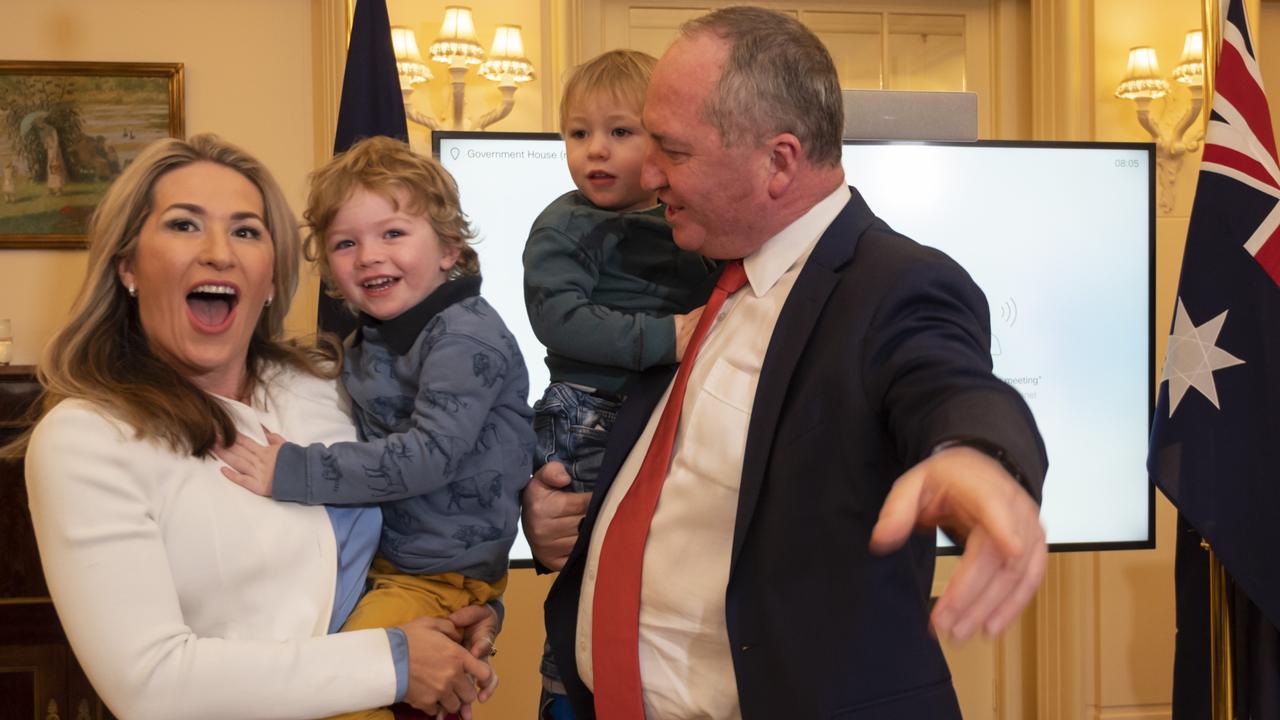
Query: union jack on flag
point(1215, 443)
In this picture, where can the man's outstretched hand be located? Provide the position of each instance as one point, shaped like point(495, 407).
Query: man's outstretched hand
point(971, 496)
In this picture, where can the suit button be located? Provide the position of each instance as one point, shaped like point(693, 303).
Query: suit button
point(747, 647)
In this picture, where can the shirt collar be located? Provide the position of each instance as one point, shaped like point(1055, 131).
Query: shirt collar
point(782, 251)
point(400, 332)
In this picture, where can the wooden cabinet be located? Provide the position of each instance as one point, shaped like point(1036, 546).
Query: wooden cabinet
point(39, 676)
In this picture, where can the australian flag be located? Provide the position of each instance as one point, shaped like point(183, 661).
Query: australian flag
point(1215, 444)
point(371, 105)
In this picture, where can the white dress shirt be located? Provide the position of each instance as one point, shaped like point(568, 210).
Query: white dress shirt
point(685, 663)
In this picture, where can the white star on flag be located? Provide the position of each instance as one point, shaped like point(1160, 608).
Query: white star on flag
point(1193, 357)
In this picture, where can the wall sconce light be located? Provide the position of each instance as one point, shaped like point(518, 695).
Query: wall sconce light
point(508, 67)
point(412, 71)
point(458, 48)
point(1143, 84)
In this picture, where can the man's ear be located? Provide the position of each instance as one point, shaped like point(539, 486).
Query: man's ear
point(785, 156)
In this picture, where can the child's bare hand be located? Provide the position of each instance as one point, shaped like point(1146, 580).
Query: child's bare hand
point(685, 325)
point(250, 465)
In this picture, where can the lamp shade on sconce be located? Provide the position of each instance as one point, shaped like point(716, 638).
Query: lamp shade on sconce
point(457, 41)
point(507, 61)
point(409, 63)
point(1190, 68)
point(457, 47)
point(1143, 78)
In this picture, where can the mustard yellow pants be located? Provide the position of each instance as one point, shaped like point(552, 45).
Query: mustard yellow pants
point(396, 598)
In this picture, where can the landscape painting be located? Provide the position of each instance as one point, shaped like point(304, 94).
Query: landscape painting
point(66, 131)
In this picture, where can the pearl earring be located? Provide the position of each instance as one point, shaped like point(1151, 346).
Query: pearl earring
point(268, 303)
point(133, 291)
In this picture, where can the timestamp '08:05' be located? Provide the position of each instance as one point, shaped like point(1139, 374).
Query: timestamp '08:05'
point(1128, 163)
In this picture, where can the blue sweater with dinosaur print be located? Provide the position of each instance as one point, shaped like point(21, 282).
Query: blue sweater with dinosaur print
point(440, 397)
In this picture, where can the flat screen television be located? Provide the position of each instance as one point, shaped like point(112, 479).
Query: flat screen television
point(1060, 237)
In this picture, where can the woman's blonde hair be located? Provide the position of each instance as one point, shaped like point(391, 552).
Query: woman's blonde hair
point(623, 75)
point(385, 166)
point(102, 355)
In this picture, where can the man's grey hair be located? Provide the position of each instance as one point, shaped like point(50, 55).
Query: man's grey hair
point(778, 78)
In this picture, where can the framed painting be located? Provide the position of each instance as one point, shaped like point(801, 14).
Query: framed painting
point(67, 129)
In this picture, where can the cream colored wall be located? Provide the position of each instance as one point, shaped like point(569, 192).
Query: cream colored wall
point(248, 71)
point(1268, 27)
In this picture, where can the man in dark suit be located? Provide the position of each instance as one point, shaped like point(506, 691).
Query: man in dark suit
point(840, 400)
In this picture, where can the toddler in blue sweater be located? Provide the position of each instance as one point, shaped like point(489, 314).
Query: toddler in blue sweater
point(438, 389)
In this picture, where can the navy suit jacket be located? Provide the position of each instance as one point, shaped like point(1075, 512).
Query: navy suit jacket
point(880, 353)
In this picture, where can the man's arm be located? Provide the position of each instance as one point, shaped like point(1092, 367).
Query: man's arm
point(928, 364)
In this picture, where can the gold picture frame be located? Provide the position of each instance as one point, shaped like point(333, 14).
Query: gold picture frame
point(67, 129)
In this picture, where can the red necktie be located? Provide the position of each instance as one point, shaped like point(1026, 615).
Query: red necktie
point(615, 618)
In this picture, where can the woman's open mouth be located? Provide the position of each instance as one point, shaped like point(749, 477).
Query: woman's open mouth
point(212, 306)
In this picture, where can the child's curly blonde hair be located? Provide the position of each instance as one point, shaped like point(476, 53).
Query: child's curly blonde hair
point(384, 166)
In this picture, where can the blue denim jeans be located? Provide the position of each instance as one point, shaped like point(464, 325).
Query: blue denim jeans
point(572, 426)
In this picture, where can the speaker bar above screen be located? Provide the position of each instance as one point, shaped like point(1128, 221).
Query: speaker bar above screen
point(1060, 237)
point(910, 115)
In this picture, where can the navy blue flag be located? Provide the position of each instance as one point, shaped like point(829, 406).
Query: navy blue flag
point(1215, 443)
point(371, 105)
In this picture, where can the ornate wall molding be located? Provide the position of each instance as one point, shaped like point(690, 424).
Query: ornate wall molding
point(330, 24)
point(1062, 69)
point(1066, 613)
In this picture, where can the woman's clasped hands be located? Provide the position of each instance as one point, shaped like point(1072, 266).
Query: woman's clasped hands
point(449, 661)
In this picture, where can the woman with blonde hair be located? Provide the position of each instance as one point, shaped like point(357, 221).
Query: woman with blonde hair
point(182, 594)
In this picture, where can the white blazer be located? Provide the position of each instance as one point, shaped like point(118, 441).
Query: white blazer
point(184, 595)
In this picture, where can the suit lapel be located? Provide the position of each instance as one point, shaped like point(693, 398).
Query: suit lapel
point(791, 334)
